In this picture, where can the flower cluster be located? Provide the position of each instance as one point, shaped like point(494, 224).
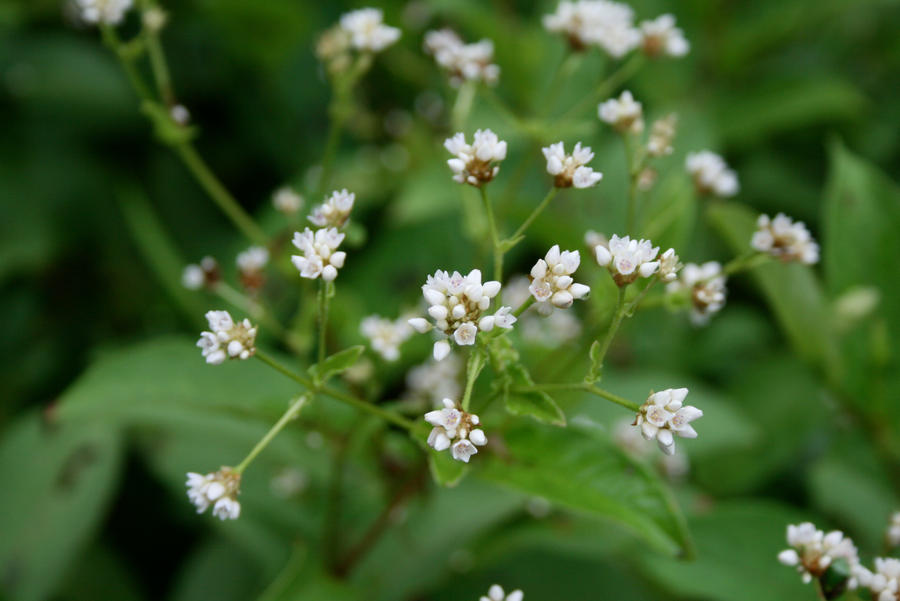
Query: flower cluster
point(203, 275)
point(453, 424)
point(631, 440)
point(219, 489)
point(251, 263)
point(711, 174)
point(623, 113)
point(552, 284)
point(473, 164)
point(662, 133)
point(812, 551)
point(661, 37)
point(110, 12)
point(626, 259)
point(571, 169)
point(540, 324)
point(464, 62)
point(457, 304)
point(706, 285)
point(385, 335)
point(884, 582)
point(226, 338)
point(335, 211)
point(664, 414)
point(287, 201)
point(367, 31)
point(320, 254)
point(602, 23)
point(496, 593)
point(785, 239)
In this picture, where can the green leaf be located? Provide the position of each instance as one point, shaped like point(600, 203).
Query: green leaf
point(57, 482)
point(336, 363)
point(446, 470)
point(536, 404)
point(580, 469)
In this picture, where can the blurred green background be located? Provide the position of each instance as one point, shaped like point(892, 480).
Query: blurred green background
point(96, 220)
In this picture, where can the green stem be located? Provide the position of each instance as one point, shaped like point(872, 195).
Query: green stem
point(746, 261)
point(160, 68)
point(633, 172)
point(290, 414)
point(331, 146)
point(524, 306)
point(534, 215)
point(597, 360)
point(608, 85)
point(633, 305)
point(219, 194)
point(609, 396)
point(465, 96)
point(323, 318)
point(820, 592)
point(473, 368)
point(495, 240)
point(111, 39)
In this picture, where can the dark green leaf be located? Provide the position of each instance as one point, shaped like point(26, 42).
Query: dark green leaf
point(336, 363)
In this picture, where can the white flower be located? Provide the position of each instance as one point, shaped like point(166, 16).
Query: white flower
point(607, 25)
point(368, 31)
point(385, 335)
point(623, 113)
point(632, 441)
point(662, 132)
point(627, 259)
point(669, 265)
point(320, 254)
point(218, 489)
point(593, 239)
point(335, 211)
point(812, 551)
point(455, 429)
point(706, 285)
point(180, 114)
point(496, 593)
point(253, 259)
point(571, 170)
point(435, 380)
point(660, 36)
point(893, 532)
point(287, 201)
point(884, 583)
point(663, 415)
point(193, 277)
point(540, 324)
point(473, 164)
point(711, 174)
point(464, 62)
point(227, 339)
point(110, 12)
point(457, 305)
point(552, 281)
point(785, 239)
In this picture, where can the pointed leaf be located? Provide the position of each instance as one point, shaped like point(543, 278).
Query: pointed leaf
point(336, 363)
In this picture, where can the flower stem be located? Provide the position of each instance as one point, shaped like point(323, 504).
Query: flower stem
point(463, 105)
point(632, 169)
point(597, 359)
point(618, 400)
point(534, 214)
point(473, 368)
point(160, 68)
point(495, 240)
point(608, 85)
point(820, 592)
point(290, 414)
point(746, 261)
point(323, 317)
point(524, 306)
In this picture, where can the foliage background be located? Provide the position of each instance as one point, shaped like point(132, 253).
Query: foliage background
point(96, 220)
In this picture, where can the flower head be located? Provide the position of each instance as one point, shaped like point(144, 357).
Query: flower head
point(367, 30)
point(251, 263)
point(474, 164)
point(662, 132)
point(884, 583)
point(661, 37)
point(464, 62)
point(203, 275)
point(571, 169)
point(320, 254)
point(623, 113)
point(385, 335)
point(664, 414)
point(785, 239)
point(628, 259)
point(287, 201)
point(552, 282)
point(227, 339)
point(711, 174)
point(602, 23)
point(669, 264)
point(218, 489)
point(335, 211)
point(706, 285)
point(110, 12)
point(458, 304)
point(455, 429)
point(812, 551)
point(496, 593)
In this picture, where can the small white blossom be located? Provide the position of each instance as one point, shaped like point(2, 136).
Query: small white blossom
point(455, 429)
point(385, 335)
point(458, 304)
point(154, 19)
point(669, 265)
point(552, 282)
point(785, 239)
point(110, 12)
point(602, 23)
point(251, 263)
point(473, 164)
point(893, 532)
point(464, 62)
point(630, 440)
point(660, 36)
point(623, 113)
point(812, 551)
point(335, 211)
point(662, 133)
point(535, 324)
point(180, 114)
point(626, 259)
point(593, 239)
point(496, 593)
point(367, 30)
point(287, 201)
point(571, 169)
point(664, 414)
point(206, 274)
point(711, 174)
point(320, 254)
point(436, 380)
point(706, 285)
point(218, 489)
point(884, 583)
point(227, 339)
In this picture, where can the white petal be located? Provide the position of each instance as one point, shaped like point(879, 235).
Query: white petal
point(441, 349)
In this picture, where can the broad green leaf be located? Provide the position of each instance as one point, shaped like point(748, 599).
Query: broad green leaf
point(535, 404)
point(446, 470)
point(58, 479)
point(217, 570)
point(580, 469)
point(336, 363)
